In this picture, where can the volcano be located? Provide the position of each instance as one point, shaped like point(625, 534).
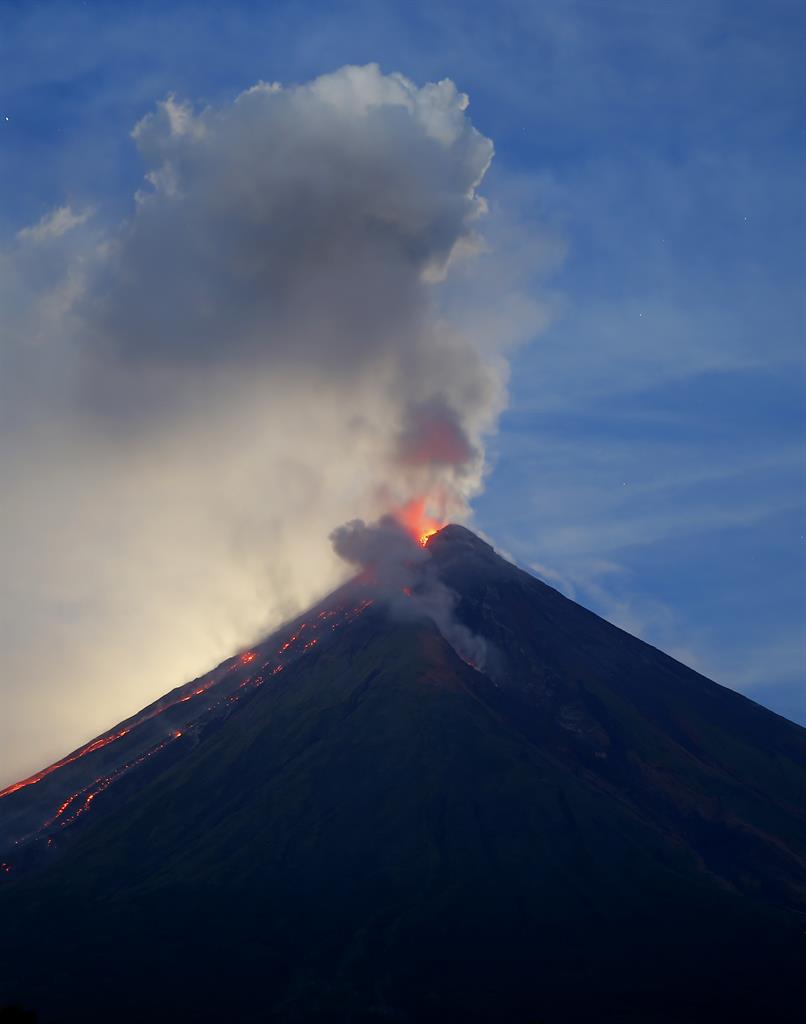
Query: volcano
point(352, 822)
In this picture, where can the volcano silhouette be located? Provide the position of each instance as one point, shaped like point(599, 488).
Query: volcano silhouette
point(349, 822)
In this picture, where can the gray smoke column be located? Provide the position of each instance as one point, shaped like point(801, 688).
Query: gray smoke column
point(299, 235)
point(279, 337)
point(399, 572)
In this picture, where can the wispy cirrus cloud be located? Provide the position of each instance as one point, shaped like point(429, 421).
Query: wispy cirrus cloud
point(54, 224)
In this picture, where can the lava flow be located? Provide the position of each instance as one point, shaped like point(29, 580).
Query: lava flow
point(98, 744)
point(91, 791)
point(103, 741)
point(304, 638)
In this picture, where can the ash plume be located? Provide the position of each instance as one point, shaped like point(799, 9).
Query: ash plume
point(273, 341)
point(399, 573)
point(385, 551)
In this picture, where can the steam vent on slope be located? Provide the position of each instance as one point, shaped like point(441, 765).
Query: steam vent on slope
point(446, 793)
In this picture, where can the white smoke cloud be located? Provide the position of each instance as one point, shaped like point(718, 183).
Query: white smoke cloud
point(275, 342)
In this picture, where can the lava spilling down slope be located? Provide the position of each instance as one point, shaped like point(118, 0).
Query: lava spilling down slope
point(354, 821)
point(73, 783)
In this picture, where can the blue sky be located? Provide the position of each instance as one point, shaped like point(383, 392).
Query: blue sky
point(651, 459)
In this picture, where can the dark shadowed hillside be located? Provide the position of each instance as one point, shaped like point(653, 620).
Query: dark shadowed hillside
point(361, 826)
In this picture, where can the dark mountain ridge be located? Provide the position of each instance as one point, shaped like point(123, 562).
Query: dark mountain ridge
point(377, 830)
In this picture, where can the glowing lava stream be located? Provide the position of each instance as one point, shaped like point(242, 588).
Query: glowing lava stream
point(412, 516)
point(103, 741)
point(99, 785)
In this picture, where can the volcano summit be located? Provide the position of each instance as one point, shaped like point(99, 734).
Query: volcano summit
point(355, 820)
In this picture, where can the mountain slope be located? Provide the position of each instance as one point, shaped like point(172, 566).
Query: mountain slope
point(382, 832)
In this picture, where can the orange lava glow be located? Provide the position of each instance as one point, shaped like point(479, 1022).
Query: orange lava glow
point(78, 803)
point(102, 741)
point(416, 520)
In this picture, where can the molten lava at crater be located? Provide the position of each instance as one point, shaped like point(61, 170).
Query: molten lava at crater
point(414, 518)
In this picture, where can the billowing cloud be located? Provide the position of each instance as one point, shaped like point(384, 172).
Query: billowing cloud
point(273, 343)
point(434, 436)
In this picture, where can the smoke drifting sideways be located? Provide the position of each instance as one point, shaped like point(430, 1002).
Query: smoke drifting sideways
point(278, 338)
point(398, 572)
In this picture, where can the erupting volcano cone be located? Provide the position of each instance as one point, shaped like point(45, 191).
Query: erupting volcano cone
point(348, 822)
